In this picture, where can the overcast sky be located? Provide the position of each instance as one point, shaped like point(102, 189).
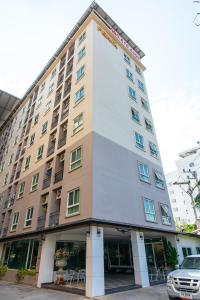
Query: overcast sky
point(32, 30)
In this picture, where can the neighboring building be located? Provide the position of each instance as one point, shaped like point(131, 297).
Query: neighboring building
point(182, 209)
point(7, 103)
point(81, 168)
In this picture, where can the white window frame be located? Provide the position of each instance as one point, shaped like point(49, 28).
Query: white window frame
point(29, 216)
point(131, 95)
point(143, 171)
point(81, 54)
point(76, 163)
point(36, 118)
point(74, 204)
point(148, 125)
point(82, 38)
point(141, 85)
point(51, 88)
point(40, 152)
point(79, 126)
point(80, 73)
point(27, 162)
point(166, 220)
point(153, 150)
point(48, 107)
point(148, 210)
point(44, 128)
point(34, 182)
point(129, 74)
point(139, 140)
point(21, 189)
point(32, 139)
point(80, 95)
point(159, 180)
point(15, 221)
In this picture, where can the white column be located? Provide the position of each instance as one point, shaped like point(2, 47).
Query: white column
point(47, 260)
point(1, 252)
point(139, 259)
point(95, 262)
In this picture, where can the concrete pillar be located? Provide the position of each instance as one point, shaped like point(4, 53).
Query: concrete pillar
point(95, 262)
point(47, 260)
point(1, 252)
point(139, 259)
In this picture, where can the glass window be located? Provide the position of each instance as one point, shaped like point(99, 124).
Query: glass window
point(139, 140)
point(80, 73)
point(81, 53)
point(135, 115)
point(42, 87)
point(159, 180)
point(44, 127)
point(148, 125)
point(40, 152)
point(198, 250)
point(144, 104)
point(153, 150)
point(51, 88)
point(36, 119)
point(53, 74)
point(32, 139)
point(79, 95)
point(27, 162)
point(131, 93)
point(78, 123)
point(82, 38)
point(48, 107)
point(73, 202)
point(149, 209)
point(29, 216)
point(129, 75)
point(166, 218)
point(127, 58)
point(141, 85)
point(21, 189)
point(15, 221)
point(186, 252)
point(143, 172)
point(75, 160)
point(138, 70)
point(34, 183)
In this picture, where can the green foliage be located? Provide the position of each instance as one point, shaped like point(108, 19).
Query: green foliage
point(3, 270)
point(21, 273)
point(170, 254)
point(186, 227)
point(197, 201)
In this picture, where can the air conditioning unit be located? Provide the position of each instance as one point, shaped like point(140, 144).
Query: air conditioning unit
point(62, 157)
point(65, 127)
point(58, 194)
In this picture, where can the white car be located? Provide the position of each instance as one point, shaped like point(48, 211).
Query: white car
point(184, 283)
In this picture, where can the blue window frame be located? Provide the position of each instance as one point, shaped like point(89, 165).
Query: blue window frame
point(143, 172)
point(79, 95)
point(139, 140)
point(131, 93)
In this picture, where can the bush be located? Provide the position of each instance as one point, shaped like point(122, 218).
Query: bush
point(3, 270)
point(21, 273)
point(170, 254)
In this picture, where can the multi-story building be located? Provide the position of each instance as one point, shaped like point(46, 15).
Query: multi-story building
point(80, 164)
point(7, 104)
point(181, 202)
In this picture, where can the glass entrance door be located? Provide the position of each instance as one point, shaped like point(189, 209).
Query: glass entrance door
point(155, 255)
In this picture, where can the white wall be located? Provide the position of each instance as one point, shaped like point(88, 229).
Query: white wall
point(189, 242)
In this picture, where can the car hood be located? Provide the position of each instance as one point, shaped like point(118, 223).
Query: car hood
point(186, 273)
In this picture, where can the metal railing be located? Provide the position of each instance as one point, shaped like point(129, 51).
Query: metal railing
point(46, 182)
point(51, 149)
point(41, 222)
point(62, 141)
point(58, 176)
point(54, 219)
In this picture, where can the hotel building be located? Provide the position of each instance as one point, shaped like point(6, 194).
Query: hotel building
point(80, 164)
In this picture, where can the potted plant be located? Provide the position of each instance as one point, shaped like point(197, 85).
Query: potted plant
point(61, 257)
point(170, 255)
point(3, 270)
point(22, 273)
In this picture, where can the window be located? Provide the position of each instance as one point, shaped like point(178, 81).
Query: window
point(135, 115)
point(139, 141)
point(173, 200)
point(51, 88)
point(165, 214)
point(44, 127)
point(48, 107)
point(20, 124)
point(186, 251)
point(82, 38)
point(131, 93)
point(2, 166)
point(15, 142)
point(36, 119)
point(79, 95)
point(27, 162)
point(191, 165)
point(153, 150)
point(34, 182)
point(39, 102)
point(73, 202)
point(129, 75)
point(75, 159)
point(198, 250)
point(40, 152)
point(149, 209)
point(143, 172)
point(32, 139)
point(81, 53)
point(138, 70)
point(78, 123)
point(159, 180)
point(80, 73)
point(175, 209)
point(42, 87)
point(21, 189)
point(141, 85)
point(6, 179)
point(15, 221)
point(29, 216)
point(53, 74)
point(127, 58)
point(11, 159)
point(148, 125)
point(144, 104)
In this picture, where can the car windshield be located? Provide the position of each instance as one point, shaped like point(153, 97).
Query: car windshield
point(191, 263)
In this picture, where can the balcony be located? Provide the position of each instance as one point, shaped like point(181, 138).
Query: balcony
point(60, 80)
point(5, 204)
point(54, 122)
point(71, 53)
point(58, 176)
point(62, 141)
point(54, 219)
point(62, 63)
point(23, 151)
point(69, 70)
point(65, 113)
point(67, 90)
point(46, 182)
point(41, 222)
point(17, 174)
point(51, 150)
point(57, 99)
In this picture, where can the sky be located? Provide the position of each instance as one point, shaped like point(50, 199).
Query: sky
point(32, 30)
